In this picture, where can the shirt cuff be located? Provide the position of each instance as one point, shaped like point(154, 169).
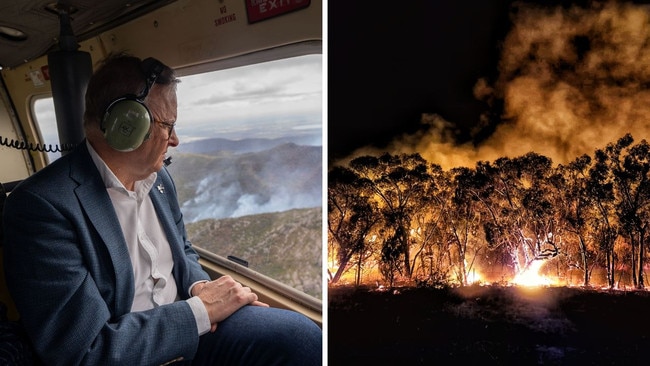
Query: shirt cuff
point(189, 292)
point(200, 314)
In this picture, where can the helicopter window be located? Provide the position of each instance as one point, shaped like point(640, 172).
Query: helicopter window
point(249, 166)
point(46, 122)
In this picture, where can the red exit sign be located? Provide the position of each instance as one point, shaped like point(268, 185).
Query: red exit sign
point(263, 9)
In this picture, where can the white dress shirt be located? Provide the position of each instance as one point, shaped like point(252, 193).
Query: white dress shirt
point(151, 256)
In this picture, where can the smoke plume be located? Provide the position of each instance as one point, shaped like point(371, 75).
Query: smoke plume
point(571, 80)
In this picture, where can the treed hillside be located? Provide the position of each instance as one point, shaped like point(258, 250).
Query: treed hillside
point(284, 245)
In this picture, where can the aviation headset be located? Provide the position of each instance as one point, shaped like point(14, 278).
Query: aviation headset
point(127, 120)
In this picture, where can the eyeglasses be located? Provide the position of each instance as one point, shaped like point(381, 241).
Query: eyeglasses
point(169, 126)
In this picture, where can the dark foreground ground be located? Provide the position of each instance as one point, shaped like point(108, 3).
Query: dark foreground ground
point(490, 325)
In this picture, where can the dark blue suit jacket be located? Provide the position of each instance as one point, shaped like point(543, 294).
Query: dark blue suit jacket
point(70, 275)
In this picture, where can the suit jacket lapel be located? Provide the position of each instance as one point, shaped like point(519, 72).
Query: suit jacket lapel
point(97, 205)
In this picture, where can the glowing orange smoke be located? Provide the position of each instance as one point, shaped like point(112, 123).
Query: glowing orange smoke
point(559, 112)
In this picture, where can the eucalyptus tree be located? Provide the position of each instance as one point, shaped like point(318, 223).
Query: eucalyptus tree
point(604, 223)
point(539, 207)
point(632, 187)
point(502, 197)
point(351, 216)
point(575, 208)
point(398, 182)
point(463, 219)
point(491, 195)
point(430, 265)
point(520, 216)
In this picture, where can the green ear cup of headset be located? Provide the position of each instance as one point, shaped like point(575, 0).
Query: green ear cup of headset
point(126, 124)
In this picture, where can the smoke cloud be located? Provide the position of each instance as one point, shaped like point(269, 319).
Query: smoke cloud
point(571, 80)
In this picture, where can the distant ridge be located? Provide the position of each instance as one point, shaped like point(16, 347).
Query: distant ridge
point(217, 145)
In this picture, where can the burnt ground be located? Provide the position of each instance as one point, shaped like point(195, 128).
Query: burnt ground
point(488, 325)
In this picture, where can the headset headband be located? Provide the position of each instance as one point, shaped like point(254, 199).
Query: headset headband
point(152, 69)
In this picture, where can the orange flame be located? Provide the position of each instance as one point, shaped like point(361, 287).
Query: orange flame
point(531, 277)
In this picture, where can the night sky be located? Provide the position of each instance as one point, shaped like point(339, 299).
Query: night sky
point(501, 77)
point(390, 63)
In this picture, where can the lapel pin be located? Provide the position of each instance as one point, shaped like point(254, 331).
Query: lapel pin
point(161, 188)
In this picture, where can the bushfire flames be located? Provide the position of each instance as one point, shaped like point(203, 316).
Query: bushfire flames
point(530, 276)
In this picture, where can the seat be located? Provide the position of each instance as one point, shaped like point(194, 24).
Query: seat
point(3, 197)
point(15, 348)
point(5, 298)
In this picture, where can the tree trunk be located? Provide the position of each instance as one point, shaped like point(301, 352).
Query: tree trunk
point(641, 284)
point(406, 251)
point(357, 277)
point(635, 280)
point(608, 267)
point(340, 270)
point(585, 264)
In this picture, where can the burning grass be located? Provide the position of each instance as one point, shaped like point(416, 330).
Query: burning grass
point(488, 325)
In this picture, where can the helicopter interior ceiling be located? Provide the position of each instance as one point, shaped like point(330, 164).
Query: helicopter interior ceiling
point(32, 28)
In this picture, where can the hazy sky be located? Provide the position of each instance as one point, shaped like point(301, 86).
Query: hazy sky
point(270, 100)
point(267, 100)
